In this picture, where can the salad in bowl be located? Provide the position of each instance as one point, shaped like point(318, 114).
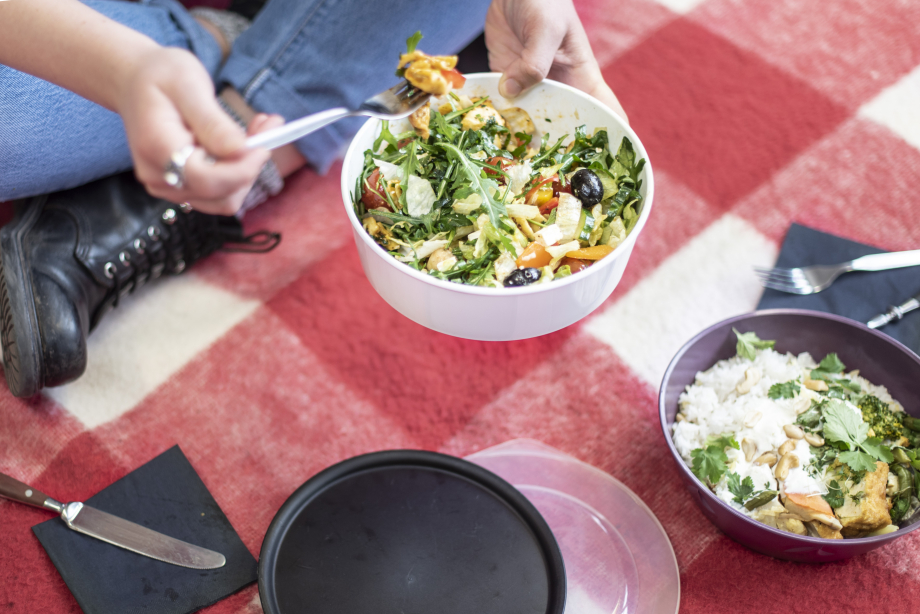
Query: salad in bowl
point(467, 216)
point(477, 195)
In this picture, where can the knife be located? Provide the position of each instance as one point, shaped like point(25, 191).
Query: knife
point(114, 530)
point(895, 312)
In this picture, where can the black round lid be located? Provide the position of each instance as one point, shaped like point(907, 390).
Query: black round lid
point(409, 532)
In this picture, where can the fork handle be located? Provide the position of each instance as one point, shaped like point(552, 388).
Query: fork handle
point(299, 128)
point(882, 262)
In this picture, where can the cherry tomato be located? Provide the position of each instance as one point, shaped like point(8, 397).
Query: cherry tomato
point(534, 256)
point(502, 163)
point(549, 205)
point(558, 189)
point(575, 264)
point(531, 194)
point(454, 77)
point(373, 197)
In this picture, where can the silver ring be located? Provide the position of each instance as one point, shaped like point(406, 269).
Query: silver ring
point(174, 175)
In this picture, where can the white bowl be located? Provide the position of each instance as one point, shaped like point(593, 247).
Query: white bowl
point(502, 314)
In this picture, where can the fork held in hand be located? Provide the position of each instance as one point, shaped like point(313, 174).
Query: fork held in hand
point(811, 279)
point(395, 103)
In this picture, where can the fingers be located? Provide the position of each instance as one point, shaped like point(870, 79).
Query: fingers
point(540, 44)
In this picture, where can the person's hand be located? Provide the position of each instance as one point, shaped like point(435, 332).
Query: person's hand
point(529, 40)
point(169, 103)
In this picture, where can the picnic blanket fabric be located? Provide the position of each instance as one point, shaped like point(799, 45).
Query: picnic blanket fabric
point(266, 369)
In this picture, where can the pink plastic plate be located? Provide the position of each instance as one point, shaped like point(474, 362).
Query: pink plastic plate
point(618, 558)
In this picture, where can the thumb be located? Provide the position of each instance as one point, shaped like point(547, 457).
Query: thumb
point(534, 62)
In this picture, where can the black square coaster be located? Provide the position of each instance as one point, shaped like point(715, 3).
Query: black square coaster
point(859, 295)
point(165, 495)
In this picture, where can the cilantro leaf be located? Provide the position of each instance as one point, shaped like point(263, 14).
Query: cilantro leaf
point(723, 441)
point(413, 41)
point(858, 461)
point(875, 448)
point(786, 390)
point(749, 342)
point(711, 462)
point(831, 363)
point(741, 489)
point(834, 496)
point(842, 424)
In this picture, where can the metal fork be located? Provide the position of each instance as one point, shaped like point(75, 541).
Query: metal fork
point(811, 279)
point(395, 103)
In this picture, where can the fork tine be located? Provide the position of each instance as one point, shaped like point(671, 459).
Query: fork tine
point(786, 287)
point(794, 281)
point(780, 273)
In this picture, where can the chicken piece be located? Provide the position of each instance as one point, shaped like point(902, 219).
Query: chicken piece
point(791, 524)
point(424, 71)
point(819, 529)
point(812, 507)
point(769, 513)
point(865, 507)
point(517, 120)
point(480, 116)
point(420, 120)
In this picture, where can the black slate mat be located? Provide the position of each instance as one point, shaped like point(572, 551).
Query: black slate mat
point(858, 295)
point(165, 495)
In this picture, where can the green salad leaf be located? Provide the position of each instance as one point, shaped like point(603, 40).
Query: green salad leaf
point(480, 185)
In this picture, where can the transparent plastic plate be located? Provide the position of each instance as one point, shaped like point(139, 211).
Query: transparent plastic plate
point(617, 555)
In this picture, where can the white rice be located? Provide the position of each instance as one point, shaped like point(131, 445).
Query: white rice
point(712, 407)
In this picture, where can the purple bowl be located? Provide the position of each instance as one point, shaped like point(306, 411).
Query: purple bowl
point(879, 358)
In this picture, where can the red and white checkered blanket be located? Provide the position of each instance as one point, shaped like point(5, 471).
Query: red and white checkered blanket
point(266, 369)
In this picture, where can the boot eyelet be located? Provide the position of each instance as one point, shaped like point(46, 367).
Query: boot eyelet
point(178, 267)
point(153, 232)
point(185, 207)
point(140, 245)
point(110, 270)
point(125, 258)
point(169, 216)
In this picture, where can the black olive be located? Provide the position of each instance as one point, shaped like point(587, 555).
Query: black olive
point(523, 277)
point(587, 187)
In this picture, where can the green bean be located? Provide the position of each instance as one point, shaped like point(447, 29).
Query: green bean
point(760, 499)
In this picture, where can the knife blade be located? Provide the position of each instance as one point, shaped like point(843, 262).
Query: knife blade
point(114, 530)
point(895, 312)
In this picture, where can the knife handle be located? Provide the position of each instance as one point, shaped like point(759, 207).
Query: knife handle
point(12, 488)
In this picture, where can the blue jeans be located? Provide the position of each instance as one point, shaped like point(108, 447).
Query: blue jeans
point(298, 57)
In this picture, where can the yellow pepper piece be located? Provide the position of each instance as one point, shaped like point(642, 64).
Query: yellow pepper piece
point(590, 253)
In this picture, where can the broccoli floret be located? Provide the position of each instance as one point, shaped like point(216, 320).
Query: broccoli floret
point(885, 423)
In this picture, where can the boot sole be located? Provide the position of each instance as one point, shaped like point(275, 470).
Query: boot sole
point(19, 334)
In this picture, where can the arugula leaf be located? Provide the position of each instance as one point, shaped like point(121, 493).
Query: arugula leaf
point(834, 497)
point(749, 342)
point(786, 390)
point(711, 462)
point(480, 185)
point(741, 489)
point(858, 461)
point(413, 41)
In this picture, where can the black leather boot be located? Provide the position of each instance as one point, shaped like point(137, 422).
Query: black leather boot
point(69, 257)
